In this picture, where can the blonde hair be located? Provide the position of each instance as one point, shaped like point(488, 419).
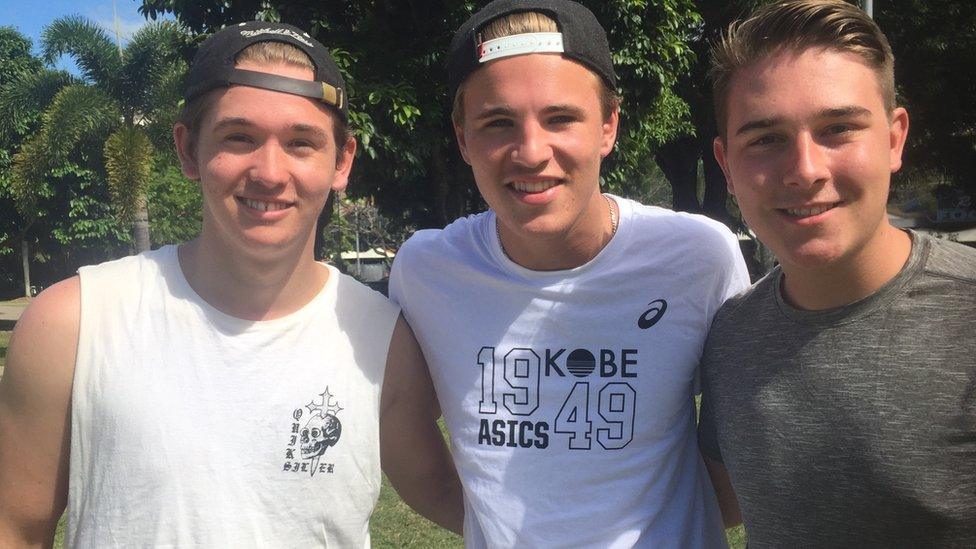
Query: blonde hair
point(797, 25)
point(521, 23)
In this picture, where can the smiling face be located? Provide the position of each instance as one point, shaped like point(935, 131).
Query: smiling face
point(809, 151)
point(266, 161)
point(534, 135)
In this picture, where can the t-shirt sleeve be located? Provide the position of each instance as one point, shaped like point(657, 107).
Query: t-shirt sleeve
point(738, 277)
point(397, 276)
point(729, 277)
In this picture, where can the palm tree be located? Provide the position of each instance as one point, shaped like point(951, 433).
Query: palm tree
point(123, 99)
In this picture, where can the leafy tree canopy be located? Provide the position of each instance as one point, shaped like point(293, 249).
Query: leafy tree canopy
point(935, 53)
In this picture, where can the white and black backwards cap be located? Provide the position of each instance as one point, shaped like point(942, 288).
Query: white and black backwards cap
point(213, 65)
point(580, 38)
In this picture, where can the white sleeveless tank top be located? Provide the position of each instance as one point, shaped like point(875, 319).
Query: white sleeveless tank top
point(192, 428)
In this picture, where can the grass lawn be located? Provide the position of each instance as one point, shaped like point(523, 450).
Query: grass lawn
point(394, 525)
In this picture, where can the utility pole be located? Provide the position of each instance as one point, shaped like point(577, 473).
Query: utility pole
point(359, 263)
point(25, 254)
point(115, 16)
point(869, 8)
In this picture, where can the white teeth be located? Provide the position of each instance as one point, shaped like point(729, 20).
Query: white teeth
point(807, 212)
point(264, 206)
point(534, 186)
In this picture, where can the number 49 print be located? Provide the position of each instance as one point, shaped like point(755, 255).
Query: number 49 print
point(615, 406)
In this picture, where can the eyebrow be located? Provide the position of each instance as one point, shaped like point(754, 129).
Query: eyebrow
point(240, 121)
point(500, 110)
point(850, 111)
point(506, 110)
point(569, 109)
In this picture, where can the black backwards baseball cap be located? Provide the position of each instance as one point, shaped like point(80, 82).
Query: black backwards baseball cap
point(213, 65)
point(580, 38)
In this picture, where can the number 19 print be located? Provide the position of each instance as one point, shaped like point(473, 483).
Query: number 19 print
point(597, 413)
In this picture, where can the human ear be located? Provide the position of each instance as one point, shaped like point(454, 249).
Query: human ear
point(185, 152)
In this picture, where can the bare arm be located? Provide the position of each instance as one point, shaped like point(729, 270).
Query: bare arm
point(413, 452)
point(35, 395)
point(727, 502)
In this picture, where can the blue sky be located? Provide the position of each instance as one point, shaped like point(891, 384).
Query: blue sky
point(31, 16)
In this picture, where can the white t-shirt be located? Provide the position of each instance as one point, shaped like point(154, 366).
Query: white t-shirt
point(569, 395)
point(192, 428)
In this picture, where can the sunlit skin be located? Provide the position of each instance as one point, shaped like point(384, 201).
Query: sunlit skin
point(808, 152)
point(265, 174)
point(535, 136)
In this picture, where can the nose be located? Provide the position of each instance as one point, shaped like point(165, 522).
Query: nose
point(808, 163)
point(270, 164)
point(533, 149)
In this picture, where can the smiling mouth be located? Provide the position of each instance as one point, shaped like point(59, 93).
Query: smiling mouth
point(809, 212)
point(263, 206)
point(534, 186)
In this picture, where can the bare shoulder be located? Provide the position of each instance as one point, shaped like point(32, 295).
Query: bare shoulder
point(35, 397)
point(45, 339)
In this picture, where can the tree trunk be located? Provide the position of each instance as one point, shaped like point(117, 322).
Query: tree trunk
point(140, 225)
point(25, 254)
point(442, 184)
point(679, 162)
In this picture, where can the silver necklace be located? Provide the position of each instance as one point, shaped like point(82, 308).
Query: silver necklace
point(613, 227)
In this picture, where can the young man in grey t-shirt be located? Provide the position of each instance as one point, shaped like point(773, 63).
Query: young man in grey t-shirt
point(838, 392)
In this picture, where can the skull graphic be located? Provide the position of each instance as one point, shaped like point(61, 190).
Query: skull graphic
point(319, 433)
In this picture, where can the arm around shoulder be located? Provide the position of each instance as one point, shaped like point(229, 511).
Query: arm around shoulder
point(35, 426)
point(414, 454)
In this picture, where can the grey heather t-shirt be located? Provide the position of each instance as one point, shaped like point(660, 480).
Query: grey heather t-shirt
point(856, 426)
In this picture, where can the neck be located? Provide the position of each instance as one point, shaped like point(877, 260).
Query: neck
point(850, 279)
point(251, 287)
point(568, 249)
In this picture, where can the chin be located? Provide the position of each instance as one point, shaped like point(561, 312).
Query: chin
point(811, 254)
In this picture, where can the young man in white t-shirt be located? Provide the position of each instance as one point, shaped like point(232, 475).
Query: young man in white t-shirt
point(225, 392)
point(563, 326)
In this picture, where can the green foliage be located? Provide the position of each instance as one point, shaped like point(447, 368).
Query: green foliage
point(934, 43)
point(79, 214)
point(175, 204)
point(88, 44)
point(361, 218)
point(75, 112)
point(114, 112)
point(18, 115)
point(23, 95)
point(128, 163)
point(15, 54)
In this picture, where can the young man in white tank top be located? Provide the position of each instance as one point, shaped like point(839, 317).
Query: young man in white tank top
point(231, 391)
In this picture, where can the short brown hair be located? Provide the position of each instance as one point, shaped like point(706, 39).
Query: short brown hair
point(797, 25)
point(521, 23)
point(194, 111)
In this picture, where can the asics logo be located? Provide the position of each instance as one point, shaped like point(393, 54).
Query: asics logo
point(652, 315)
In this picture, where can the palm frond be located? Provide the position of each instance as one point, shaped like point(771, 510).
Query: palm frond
point(98, 58)
point(76, 111)
point(128, 164)
point(23, 98)
point(148, 60)
point(28, 176)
